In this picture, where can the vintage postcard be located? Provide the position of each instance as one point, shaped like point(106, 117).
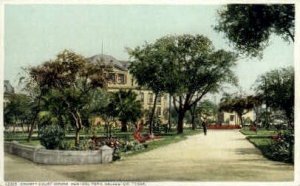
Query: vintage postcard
point(149, 93)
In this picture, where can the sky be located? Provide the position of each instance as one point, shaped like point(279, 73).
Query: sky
point(36, 33)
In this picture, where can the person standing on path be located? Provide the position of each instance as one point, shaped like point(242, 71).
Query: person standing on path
point(204, 128)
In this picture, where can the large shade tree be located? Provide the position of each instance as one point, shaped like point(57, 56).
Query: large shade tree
point(74, 79)
point(186, 66)
point(249, 26)
point(147, 69)
point(276, 88)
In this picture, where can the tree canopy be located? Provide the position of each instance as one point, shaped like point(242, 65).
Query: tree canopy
point(276, 88)
point(206, 109)
point(18, 109)
point(126, 107)
point(74, 80)
point(186, 66)
point(239, 104)
point(249, 26)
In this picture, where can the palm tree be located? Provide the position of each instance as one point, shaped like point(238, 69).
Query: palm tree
point(127, 107)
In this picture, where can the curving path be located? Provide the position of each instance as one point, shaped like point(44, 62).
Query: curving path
point(220, 156)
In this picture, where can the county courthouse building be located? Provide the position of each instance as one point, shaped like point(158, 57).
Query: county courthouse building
point(120, 79)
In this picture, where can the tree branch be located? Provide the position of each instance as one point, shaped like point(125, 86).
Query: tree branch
point(290, 34)
point(206, 90)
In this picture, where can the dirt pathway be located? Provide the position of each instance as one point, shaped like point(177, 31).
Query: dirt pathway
point(219, 156)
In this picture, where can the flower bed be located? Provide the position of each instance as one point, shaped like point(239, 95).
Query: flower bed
point(224, 127)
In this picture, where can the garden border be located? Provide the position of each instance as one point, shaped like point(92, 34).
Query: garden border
point(59, 157)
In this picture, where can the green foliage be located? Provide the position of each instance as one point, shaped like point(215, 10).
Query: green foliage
point(71, 82)
point(67, 145)
point(275, 145)
point(247, 121)
point(240, 105)
point(206, 109)
point(132, 146)
point(282, 149)
point(276, 88)
point(125, 106)
point(51, 136)
point(185, 66)
point(18, 109)
point(260, 132)
point(249, 26)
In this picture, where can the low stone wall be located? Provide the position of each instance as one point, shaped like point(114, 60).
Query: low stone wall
point(59, 157)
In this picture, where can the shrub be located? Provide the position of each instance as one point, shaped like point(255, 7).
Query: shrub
point(282, 148)
point(132, 146)
point(67, 145)
point(86, 144)
point(51, 136)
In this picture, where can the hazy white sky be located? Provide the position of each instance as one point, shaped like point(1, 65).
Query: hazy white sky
point(36, 33)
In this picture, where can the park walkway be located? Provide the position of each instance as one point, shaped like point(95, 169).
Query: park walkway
point(219, 156)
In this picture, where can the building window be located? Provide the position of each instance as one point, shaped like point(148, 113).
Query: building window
point(112, 77)
point(121, 78)
point(150, 98)
point(231, 117)
point(142, 97)
point(158, 111)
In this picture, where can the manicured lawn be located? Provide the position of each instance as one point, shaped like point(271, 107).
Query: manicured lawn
point(18, 136)
point(31, 143)
point(164, 140)
point(262, 143)
point(260, 132)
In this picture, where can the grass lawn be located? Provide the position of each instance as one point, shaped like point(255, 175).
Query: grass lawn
point(262, 140)
point(164, 140)
point(262, 143)
point(260, 132)
point(31, 143)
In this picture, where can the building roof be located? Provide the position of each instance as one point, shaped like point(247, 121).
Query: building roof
point(109, 60)
point(8, 88)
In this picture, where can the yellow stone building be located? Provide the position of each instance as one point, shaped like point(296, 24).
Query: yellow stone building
point(231, 118)
point(120, 78)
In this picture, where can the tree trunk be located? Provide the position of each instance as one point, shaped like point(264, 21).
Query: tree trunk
point(32, 124)
point(78, 122)
point(106, 129)
point(241, 119)
point(124, 126)
point(192, 111)
point(181, 114)
point(110, 131)
point(169, 122)
point(152, 115)
point(77, 137)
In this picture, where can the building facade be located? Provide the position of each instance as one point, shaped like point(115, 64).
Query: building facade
point(231, 118)
point(120, 79)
